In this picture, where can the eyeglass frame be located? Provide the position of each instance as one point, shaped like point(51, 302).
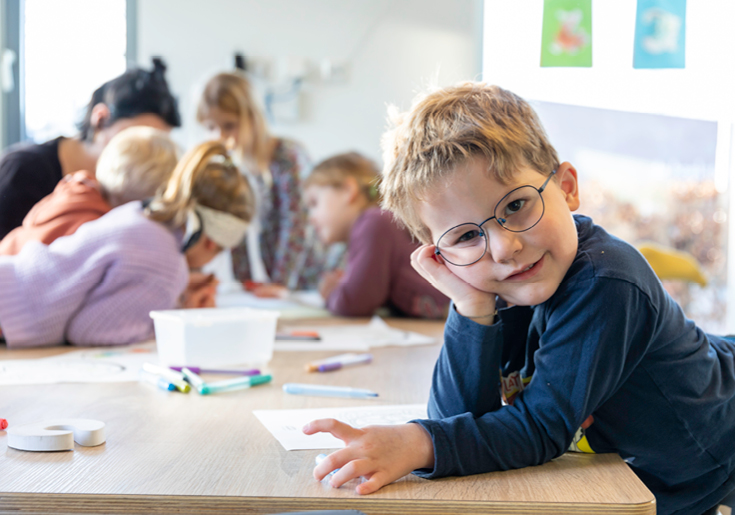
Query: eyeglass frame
point(540, 190)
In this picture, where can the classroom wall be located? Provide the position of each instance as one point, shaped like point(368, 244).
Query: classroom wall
point(703, 90)
point(391, 48)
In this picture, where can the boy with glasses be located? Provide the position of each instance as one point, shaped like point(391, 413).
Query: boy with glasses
point(560, 336)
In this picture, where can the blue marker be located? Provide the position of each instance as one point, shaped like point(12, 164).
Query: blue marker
point(319, 459)
point(328, 391)
point(161, 382)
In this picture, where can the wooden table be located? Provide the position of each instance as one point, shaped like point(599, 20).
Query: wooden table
point(176, 453)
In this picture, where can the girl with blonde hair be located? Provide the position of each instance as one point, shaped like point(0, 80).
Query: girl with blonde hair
point(279, 248)
point(98, 285)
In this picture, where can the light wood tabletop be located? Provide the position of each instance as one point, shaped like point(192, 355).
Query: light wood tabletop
point(168, 452)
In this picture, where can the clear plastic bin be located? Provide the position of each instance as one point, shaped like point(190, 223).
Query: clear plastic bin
point(215, 337)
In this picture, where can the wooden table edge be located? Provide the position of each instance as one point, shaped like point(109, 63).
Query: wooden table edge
point(57, 504)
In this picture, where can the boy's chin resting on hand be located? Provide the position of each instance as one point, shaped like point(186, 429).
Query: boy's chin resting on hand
point(380, 454)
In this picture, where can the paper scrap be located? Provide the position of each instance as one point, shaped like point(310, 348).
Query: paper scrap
point(91, 365)
point(286, 424)
point(355, 337)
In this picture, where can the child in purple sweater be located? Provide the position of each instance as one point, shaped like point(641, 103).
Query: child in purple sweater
point(98, 285)
point(342, 198)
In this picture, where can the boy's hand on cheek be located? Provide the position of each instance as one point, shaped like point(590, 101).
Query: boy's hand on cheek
point(468, 300)
point(380, 454)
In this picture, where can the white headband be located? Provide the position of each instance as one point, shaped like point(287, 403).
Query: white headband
point(224, 229)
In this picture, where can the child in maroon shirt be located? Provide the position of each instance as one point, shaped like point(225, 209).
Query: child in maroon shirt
point(342, 198)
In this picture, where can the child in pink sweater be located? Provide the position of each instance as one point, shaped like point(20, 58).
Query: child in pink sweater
point(98, 285)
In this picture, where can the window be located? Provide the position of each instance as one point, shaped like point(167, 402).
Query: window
point(68, 49)
point(652, 178)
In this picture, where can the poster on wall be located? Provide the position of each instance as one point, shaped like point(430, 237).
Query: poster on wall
point(566, 39)
point(660, 34)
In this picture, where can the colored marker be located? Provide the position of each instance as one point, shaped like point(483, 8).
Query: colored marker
point(177, 378)
point(327, 391)
point(319, 459)
point(197, 370)
point(3, 423)
point(237, 383)
point(161, 382)
point(311, 336)
point(337, 362)
point(194, 380)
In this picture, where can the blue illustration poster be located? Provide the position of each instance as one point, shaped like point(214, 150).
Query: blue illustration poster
point(660, 30)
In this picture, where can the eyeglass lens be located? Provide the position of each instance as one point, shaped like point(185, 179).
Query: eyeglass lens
point(518, 211)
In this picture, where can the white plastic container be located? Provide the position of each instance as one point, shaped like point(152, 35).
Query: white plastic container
point(215, 337)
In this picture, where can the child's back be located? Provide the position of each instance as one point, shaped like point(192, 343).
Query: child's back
point(105, 279)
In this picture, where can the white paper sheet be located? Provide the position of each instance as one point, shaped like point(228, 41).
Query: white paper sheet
point(90, 365)
point(355, 337)
point(296, 305)
point(286, 425)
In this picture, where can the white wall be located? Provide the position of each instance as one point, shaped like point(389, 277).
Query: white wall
point(393, 49)
point(705, 89)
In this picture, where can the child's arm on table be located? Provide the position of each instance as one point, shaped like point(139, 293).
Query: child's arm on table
point(583, 358)
point(381, 454)
point(579, 365)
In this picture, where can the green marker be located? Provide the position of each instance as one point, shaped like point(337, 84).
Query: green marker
point(195, 381)
point(237, 383)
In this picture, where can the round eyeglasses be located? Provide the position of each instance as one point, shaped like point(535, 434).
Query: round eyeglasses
point(518, 211)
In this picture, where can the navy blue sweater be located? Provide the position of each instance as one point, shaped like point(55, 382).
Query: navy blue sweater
point(610, 343)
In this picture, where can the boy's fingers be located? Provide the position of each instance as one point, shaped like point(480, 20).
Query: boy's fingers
point(376, 481)
point(349, 470)
point(329, 425)
point(331, 463)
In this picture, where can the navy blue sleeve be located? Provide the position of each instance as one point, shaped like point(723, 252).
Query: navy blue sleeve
point(459, 385)
point(587, 349)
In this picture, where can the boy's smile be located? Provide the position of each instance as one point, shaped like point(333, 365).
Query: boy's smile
point(523, 268)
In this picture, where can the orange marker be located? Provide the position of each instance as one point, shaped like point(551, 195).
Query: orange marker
point(3, 423)
point(299, 335)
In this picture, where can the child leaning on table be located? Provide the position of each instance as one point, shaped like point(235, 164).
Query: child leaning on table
point(133, 166)
point(342, 197)
point(574, 319)
point(98, 285)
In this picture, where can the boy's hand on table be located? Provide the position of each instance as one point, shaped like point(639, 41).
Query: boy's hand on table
point(468, 300)
point(329, 282)
point(380, 454)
